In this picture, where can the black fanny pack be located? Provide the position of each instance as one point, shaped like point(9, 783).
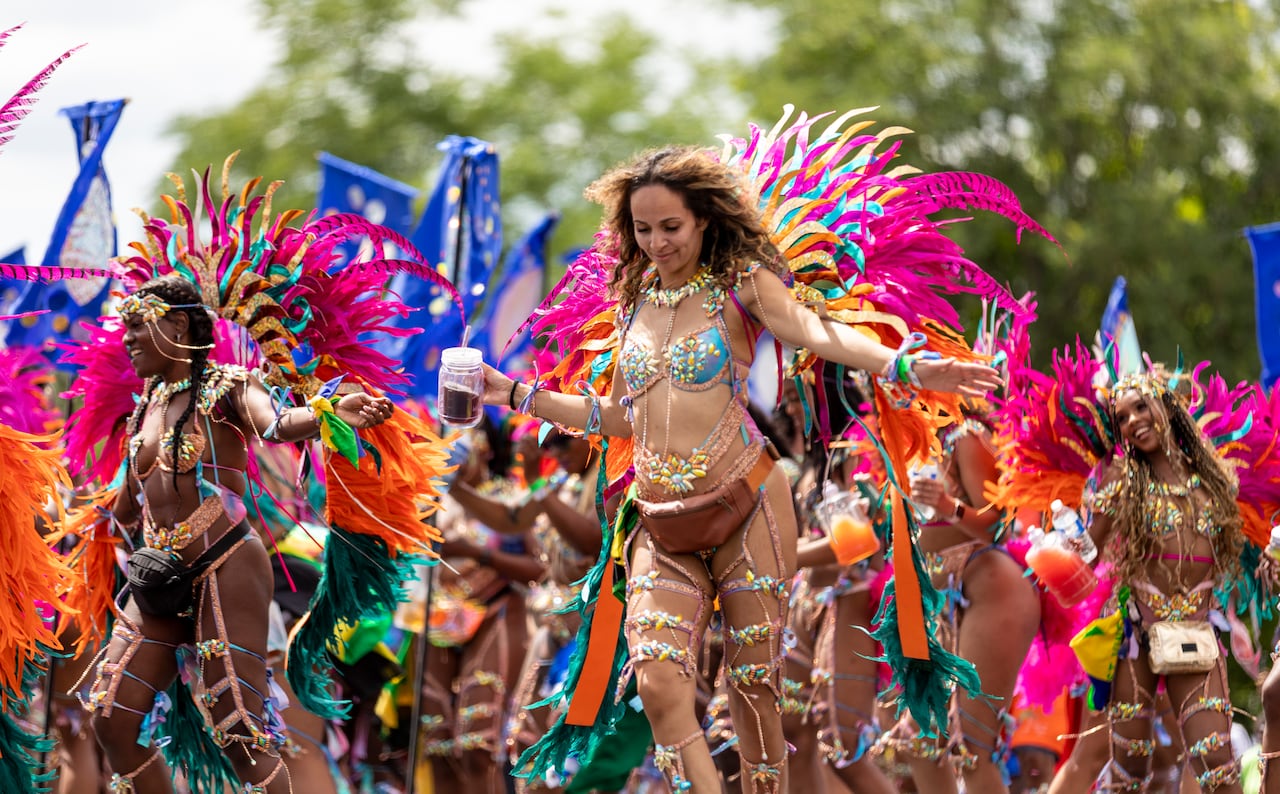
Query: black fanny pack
point(163, 585)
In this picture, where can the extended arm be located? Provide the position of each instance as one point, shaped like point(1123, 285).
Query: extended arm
point(495, 514)
point(299, 423)
point(770, 302)
point(568, 410)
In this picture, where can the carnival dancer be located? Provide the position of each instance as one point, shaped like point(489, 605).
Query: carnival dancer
point(175, 470)
point(832, 676)
point(992, 616)
point(478, 632)
point(1180, 510)
point(696, 278)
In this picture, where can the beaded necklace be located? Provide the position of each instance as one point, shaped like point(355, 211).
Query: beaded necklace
point(671, 298)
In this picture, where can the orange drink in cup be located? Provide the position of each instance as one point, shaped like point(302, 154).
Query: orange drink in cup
point(1060, 569)
point(852, 538)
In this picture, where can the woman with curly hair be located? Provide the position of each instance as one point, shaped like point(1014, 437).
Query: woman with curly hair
point(697, 279)
point(1167, 516)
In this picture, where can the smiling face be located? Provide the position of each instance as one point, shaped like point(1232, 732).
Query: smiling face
point(151, 344)
point(668, 232)
point(1141, 425)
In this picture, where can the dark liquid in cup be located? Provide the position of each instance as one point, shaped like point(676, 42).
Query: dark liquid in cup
point(459, 406)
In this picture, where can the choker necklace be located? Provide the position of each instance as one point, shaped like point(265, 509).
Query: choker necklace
point(165, 390)
point(671, 298)
point(1171, 489)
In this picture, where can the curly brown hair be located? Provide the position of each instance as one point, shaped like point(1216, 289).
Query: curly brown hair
point(1134, 541)
point(735, 236)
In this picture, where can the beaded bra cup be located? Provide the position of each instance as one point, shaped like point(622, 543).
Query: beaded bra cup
point(696, 361)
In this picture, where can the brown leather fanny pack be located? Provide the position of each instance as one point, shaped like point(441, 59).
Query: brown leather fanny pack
point(706, 520)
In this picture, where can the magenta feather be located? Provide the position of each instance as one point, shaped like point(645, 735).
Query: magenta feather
point(24, 375)
point(834, 196)
point(50, 273)
point(106, 380)
point(19, 105)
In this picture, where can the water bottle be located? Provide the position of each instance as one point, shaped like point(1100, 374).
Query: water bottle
point(1067, 521)
point(1273, 548)
point(461, 386)
point(924, 471)
point(1059, 568)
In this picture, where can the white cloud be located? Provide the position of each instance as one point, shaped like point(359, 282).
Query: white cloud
point(165, 57)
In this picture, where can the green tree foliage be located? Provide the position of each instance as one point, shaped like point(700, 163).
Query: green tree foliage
point(1140, 132)
point(352, 81)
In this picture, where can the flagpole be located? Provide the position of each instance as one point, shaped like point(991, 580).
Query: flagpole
point(420, 658)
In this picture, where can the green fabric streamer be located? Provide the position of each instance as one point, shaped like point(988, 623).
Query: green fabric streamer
point(924, 687)
point(19, 750)
point(609, 767)
point(563, 741)
point(360, 580)
point(339, 436)
point(1246, 588)
point(190, 747)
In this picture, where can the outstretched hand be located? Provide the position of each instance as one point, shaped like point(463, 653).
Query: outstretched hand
point(362, 410)
point(962, 377)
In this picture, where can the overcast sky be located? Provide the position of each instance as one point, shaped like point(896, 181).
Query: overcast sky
point(171, 57)
point(165, 57)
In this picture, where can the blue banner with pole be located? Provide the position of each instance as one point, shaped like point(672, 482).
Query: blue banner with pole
point(1118, 330)
point(521, 290)
point(84, 236)
point(1265, 243)
point(461, 233)
point(347, 187)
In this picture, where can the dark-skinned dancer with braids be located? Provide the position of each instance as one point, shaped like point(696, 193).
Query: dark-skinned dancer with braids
point(195, 416)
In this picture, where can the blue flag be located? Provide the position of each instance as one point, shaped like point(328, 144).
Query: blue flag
point(1118, 329)
point(1265, 242)
point(518, 292)
point(84, 236)
point(346, 187)
point(461, 233)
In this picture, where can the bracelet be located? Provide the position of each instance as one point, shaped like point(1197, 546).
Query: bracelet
point(526, 405)
point(957, 512)
point(511, 398)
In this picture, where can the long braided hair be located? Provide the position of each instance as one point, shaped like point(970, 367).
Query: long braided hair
point(1135, 541)
point(179, 292)
point(735, 236)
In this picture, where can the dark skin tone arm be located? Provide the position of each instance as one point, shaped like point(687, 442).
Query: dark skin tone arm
point(493, 513)
point(580, 531)
point(250, 408)
point(977, 467)
point(814, 552)
point(516, 567)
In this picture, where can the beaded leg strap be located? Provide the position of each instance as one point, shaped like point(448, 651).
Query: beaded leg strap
point(261, 786)
point(668, 760)
point(863, 727)
point(1122, 780)
point(765, 776)
point(264, 730)
point(1226, 774)
point(1263, 758)
point(123, 784)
